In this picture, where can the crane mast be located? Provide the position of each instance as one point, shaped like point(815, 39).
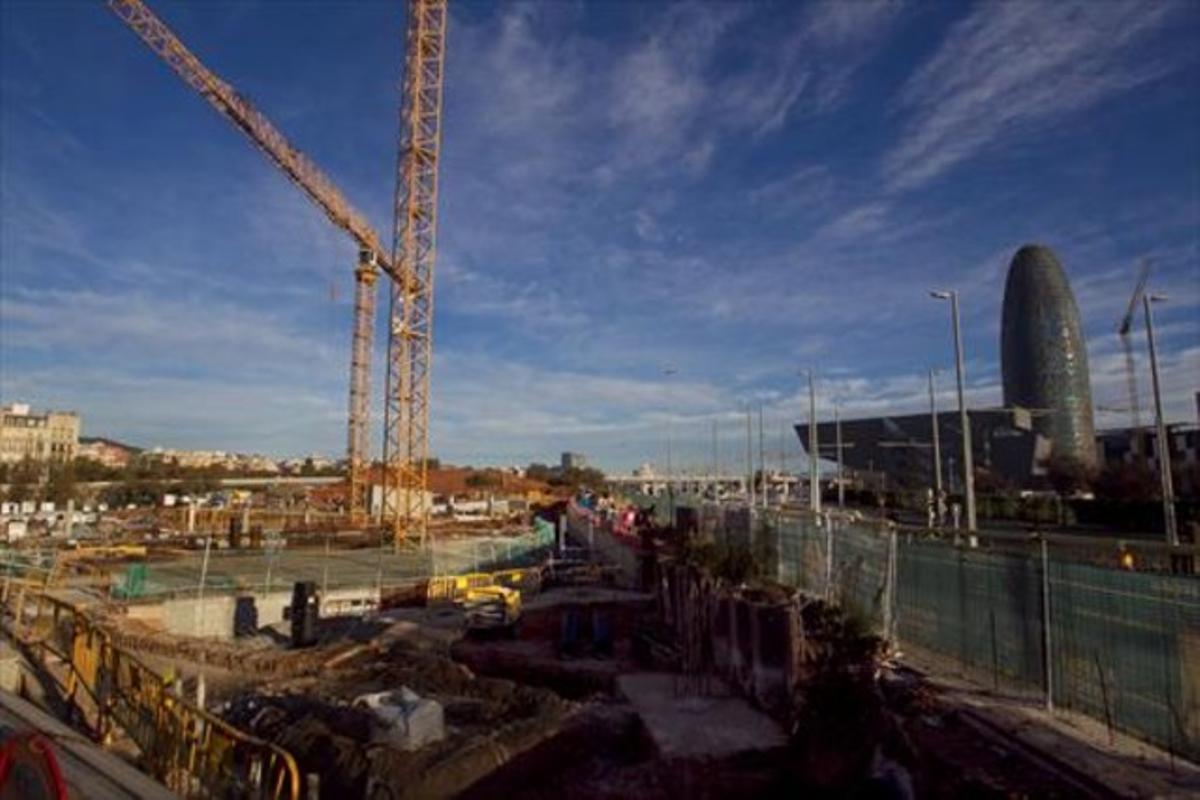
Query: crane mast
point(410, 343)
point(1124, 329)
point(320, 189)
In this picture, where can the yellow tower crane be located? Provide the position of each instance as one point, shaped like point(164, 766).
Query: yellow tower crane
point(305, 174)
point(410, 343)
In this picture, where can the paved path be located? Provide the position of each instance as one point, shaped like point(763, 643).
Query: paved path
point(1128, 766)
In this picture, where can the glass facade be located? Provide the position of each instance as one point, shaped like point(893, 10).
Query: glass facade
point(1043, 357)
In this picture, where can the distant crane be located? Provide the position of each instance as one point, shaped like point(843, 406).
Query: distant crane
point(305, 174)
point(1124, 329)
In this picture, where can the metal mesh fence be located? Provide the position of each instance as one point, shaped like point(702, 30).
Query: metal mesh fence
point(276, 566)
point(1120, 645)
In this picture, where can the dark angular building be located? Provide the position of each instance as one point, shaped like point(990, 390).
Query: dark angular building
point(1043, 357)
point(898, 446)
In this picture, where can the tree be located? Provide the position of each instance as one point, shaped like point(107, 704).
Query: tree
point(60, 486)
point(990, 482)
point(578, 476)
point(88, 469)
point(481, 480)
point(540, 472)
point(22, 480)
point(1068, 475)
point(1126, 483)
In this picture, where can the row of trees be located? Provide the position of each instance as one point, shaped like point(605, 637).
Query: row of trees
point(1119, 481)
point(143, 480)
point(571, 478)
point(555, 476)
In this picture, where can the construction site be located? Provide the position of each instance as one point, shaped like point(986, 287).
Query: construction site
point(589, 642)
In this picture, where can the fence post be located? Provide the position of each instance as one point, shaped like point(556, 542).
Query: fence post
point(779, 548)
point(199, 615)
point(1046, 643)
point(268, 551)
point(325, 567)
point(828, 556)
point(890, 623)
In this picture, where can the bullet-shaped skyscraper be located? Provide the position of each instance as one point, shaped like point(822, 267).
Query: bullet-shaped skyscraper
point(1043, 356)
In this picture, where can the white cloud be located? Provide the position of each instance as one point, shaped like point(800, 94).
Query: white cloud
point(1012, 67)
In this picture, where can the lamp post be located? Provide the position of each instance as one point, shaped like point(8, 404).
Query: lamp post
point(1160, 434)
point(716, 464)
point(749, 465)
point(814, 450)
point(762, 459)
point(668, 371)
point(968, 465)
point(837, 430)
point(937, 449)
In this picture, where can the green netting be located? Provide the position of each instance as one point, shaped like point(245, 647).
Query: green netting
point(133, 583)
point(1124, 645)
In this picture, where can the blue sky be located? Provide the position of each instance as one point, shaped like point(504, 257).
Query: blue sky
point(740, 191)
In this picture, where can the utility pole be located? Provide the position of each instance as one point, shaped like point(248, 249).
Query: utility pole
point(968, 460)
point(937, 449)
point(762, 458)
point(668, 371)
point(814, 478)
point(716, 464)
point(749, 461)
point(783, 460)
point(837, 432)
point(1164, 445)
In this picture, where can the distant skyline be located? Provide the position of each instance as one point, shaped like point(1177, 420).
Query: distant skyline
point(740, 191)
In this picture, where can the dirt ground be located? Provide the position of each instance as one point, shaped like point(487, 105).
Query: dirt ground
point(523, 722)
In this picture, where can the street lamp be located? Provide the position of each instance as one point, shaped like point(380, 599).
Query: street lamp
point(837, 433)
point(967, 459)
point(668, 371)
point(1164, 446)
point(814, 447)
point(937, 449)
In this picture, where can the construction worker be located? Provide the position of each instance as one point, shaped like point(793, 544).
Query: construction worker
point(1126, 558)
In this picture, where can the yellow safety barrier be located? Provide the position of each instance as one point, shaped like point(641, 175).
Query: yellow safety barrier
point(190, 750)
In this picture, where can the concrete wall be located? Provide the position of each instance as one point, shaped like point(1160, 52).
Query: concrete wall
point(210, 617)
point(754, 643)
point(222, 617)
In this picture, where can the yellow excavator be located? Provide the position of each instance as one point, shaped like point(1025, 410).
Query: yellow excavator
point(492, 608)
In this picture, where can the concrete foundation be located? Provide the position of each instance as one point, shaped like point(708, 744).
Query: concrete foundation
point(716, 725)
point(226, 616)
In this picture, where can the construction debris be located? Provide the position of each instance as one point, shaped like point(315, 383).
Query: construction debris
point(403, 718)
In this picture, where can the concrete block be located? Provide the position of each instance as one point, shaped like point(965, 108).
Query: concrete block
point(404, 719)
point(210, 617)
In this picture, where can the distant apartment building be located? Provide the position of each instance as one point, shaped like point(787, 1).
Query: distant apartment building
point(573, 461)
point(108, 452)
point(198, 459)
point(296, 466)
point(46, 436)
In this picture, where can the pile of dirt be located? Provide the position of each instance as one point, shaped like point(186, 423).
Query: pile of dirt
point(488, 721)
